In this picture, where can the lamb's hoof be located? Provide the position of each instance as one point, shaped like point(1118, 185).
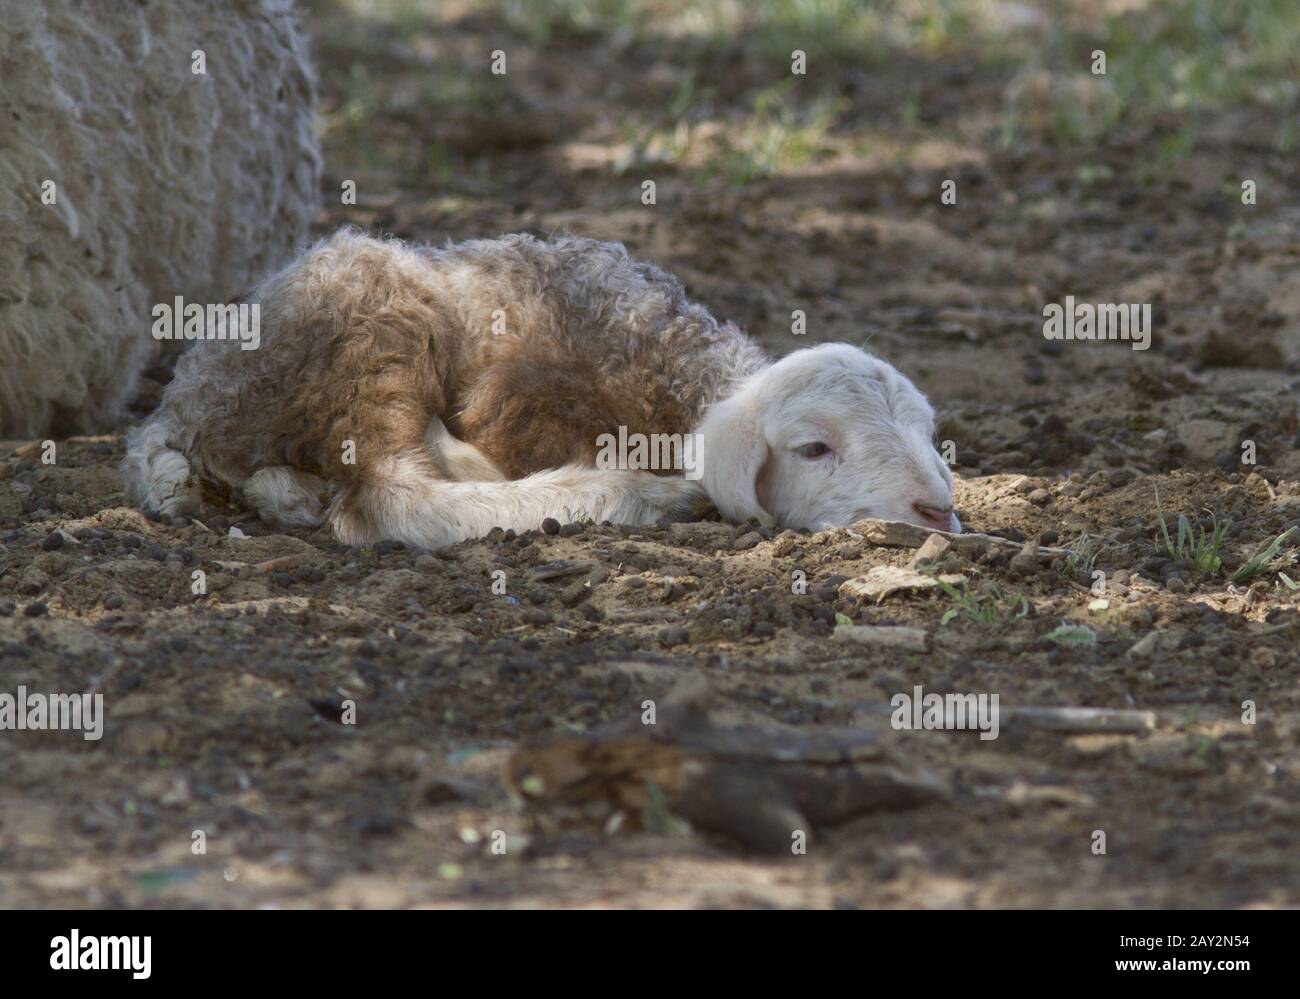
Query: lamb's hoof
point(286, 497)
point(174, 497)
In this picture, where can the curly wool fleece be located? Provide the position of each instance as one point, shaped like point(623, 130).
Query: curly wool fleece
point(126, 178)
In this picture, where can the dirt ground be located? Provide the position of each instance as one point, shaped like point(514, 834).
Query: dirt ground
point(225, 710)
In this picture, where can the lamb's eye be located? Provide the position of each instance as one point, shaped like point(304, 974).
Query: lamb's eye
point(814, 450)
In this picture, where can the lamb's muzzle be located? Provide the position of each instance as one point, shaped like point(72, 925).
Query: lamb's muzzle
point(429, 395)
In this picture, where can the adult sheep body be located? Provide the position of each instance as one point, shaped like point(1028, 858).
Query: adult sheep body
point(128, 178)
point(428, 395)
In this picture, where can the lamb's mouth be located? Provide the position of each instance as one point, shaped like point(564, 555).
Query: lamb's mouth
point(936, 518)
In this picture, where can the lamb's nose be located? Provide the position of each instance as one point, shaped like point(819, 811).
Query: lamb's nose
point(936, 516)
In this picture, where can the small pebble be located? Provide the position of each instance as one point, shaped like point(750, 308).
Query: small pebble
point(536, 616)
point(674, 636)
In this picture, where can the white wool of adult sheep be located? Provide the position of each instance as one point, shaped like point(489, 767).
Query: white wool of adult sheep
point(127, 178)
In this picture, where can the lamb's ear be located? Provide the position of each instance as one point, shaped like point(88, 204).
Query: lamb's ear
point(733, 451)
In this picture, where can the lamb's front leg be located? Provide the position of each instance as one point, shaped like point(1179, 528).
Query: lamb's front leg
point(402, 499)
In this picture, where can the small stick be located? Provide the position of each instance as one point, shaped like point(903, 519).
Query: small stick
point(1121, 721)
point(1125, 721)
point(897, 534)
point(558, 570)
point(271, 564)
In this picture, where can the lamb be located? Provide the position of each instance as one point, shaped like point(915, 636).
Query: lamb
point(147, 150)
point(428, 395)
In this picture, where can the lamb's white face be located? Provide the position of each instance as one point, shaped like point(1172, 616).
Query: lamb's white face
point(825, 437)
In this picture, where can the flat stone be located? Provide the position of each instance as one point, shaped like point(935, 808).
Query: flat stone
point(1145, 645)
point(882, 580)
point(935, 547)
